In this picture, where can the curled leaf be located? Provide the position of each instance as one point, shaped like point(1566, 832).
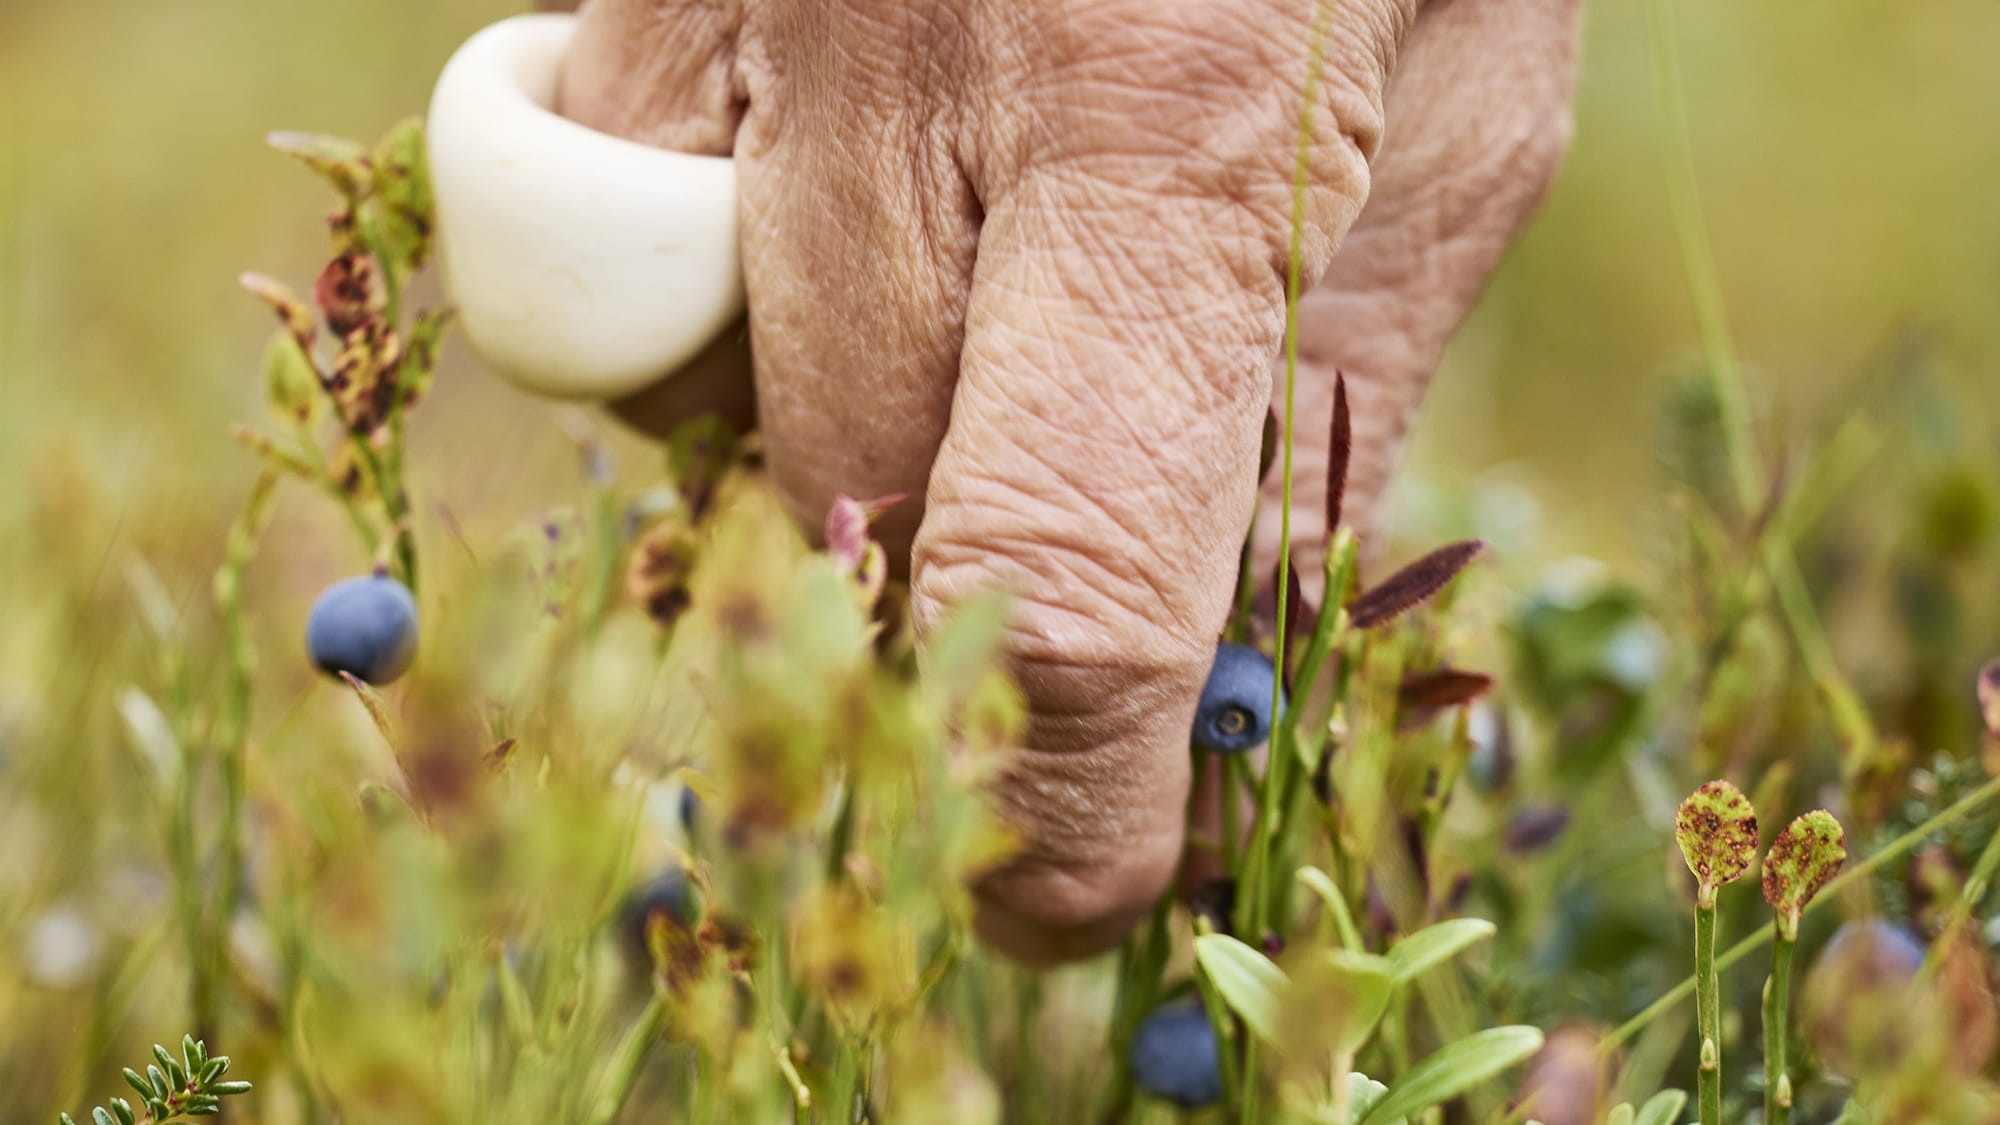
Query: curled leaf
point(1804, 857)
point(1717, 830)
point(1413, 585)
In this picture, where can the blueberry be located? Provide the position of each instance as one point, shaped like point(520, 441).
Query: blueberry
point(667, 894)
point(1174, 1057)
point(690, 808)
point(366, 627)
point(1235, 710)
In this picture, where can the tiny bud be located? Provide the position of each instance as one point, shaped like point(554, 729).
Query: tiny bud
point(1710, 1056)
point(1717, 830)
point(1784, 1089)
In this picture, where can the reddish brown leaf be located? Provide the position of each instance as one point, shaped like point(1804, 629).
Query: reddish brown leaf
point(1421, 696)
point(1267, 453)
point(1413, 585)
point(1340, 452)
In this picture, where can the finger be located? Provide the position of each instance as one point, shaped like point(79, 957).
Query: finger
point(1477, 119)
point(1101, 458)
point(660, 72)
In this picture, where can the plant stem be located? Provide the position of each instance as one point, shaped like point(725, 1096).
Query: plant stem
point(1900, 846)
point(1708, 1016)
point(1777, 1014)
point(628, 1059)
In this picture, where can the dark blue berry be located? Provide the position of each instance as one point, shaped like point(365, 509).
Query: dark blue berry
point(668, 895)
point(690, 808)
point(1174, 1057)
point(1235, 710)
point(366, 627)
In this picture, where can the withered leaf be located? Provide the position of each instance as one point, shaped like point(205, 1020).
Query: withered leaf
point(1422, 695)
point(1413, 585)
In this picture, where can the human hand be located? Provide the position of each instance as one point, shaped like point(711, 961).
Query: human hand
point(1026, 259)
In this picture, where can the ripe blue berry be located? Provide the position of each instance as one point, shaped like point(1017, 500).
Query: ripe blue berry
point(1235, 710)
point(1174, 1057)
point(366, 627)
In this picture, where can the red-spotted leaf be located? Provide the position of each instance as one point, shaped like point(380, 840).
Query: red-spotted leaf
point(1717, 830)
point(1340, 451)
point(1804, 857)
point(1413, 585)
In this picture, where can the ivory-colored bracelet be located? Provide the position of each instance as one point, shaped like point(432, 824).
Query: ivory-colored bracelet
point(583, 266)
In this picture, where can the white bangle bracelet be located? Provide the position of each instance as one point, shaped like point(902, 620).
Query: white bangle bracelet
point(583, 266)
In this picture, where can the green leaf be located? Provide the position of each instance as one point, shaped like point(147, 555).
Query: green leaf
point(66, 1119)
point(1804, 857)
point(1621, 1114)
point(1433, 945)
point(340, 162)
point(1337, 996)
point(1454, 1069)
point(403, 188)
point(122, 1110)
point(158, 1079)
point(1363, 1093)
point(212, 1069)
point(1246, 979)
point(1717, 830)
point(138, 1082)
point(1663, 1108)
point(1343, 918)
point(417, 370)
point(191, 1055)
point(224, 1089)
point(102, 1116)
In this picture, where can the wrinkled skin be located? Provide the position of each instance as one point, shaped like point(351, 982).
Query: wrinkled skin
point(1025, 259)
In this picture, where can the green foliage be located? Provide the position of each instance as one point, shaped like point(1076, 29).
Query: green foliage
point(177, 1089)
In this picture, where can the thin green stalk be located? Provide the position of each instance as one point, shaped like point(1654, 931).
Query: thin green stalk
point(1777, 1017)
point(1219, 1019)
point(1902, 845)
point(1707, 1006)
point(628, 1059)
point(1275, 769)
